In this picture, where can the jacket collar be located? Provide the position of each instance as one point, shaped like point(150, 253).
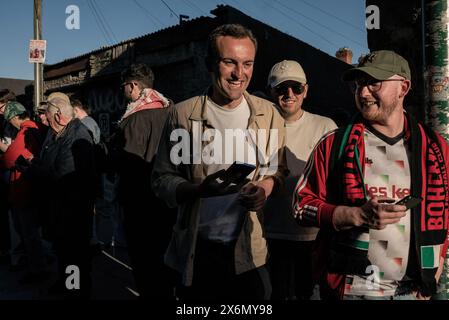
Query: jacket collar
point(28, 124)
point(69, 127)
point(199, 108)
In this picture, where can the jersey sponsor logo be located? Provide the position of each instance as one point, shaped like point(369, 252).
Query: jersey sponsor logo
point(396, 192)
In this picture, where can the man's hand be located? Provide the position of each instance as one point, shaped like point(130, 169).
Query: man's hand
point(210, 187)
point(375, 214)
point(253, 196)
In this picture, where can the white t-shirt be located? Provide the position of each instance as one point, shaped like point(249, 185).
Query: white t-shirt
point(226, 122)
point(221, 217)
point(301, 137)
point(387, 174)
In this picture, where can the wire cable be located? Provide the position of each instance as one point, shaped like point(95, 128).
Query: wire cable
point(105, 21)
point(300, 24)
point(99, 25)
point(361, 45)
point(171, 10)
point(100, 22)
point(288, 17)
point(333, 16)
point(149, 14)
point(194, 6)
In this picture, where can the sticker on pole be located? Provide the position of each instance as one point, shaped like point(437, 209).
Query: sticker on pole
point(37, 52)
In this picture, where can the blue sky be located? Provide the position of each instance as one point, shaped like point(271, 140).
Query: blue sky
point(324, 24)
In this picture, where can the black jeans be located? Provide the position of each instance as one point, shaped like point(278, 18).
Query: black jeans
point(290, 266)
point(214, 277)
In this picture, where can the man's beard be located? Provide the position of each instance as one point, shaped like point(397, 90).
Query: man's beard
point(381, 113)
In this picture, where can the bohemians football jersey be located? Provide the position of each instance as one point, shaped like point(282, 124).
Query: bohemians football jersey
point(387, 174)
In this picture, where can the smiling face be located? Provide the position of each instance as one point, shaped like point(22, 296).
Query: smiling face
point(378, 100)
point(290, 95)
point(233, 71)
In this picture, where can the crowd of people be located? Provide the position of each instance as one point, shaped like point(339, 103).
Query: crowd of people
point(316, 217)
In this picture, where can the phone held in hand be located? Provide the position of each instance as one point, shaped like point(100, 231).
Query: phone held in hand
point(409, 201)
point(238, 172)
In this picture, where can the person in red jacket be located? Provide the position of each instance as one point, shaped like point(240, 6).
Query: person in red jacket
point(23, 148)
point(9, 252)
point(368, 246)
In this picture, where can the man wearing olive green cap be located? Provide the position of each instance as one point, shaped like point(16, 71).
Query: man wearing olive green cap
point(380, 65)
point(370, 247)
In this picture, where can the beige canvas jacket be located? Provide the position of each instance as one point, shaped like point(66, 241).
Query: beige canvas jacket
point(251, 249)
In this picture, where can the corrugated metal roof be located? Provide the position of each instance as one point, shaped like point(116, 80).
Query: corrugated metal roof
point(195, 20)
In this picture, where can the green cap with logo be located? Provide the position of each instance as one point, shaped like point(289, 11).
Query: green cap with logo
point(380, 65)
point(12, 109)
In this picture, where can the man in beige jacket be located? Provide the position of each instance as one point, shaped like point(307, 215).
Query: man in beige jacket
point(217, 243)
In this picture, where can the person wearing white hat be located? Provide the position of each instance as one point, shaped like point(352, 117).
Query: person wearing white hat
point(290, 245)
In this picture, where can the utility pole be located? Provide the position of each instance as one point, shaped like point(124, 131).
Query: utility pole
point(38, 67)
point(437, 72)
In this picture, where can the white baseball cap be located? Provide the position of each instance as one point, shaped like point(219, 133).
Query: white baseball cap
point(284, 71)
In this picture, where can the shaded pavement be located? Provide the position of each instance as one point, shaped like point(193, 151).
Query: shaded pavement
point(111, 280)
point(111, 273)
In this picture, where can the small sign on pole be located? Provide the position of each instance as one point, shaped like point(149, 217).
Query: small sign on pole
point(38, 49)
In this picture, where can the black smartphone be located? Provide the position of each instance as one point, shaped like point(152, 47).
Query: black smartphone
point(238, 171)
point(409, 201)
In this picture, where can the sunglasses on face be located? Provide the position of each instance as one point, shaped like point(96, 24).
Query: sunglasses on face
point(282, 90)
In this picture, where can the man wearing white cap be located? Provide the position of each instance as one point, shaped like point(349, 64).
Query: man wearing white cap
point(290, 245)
